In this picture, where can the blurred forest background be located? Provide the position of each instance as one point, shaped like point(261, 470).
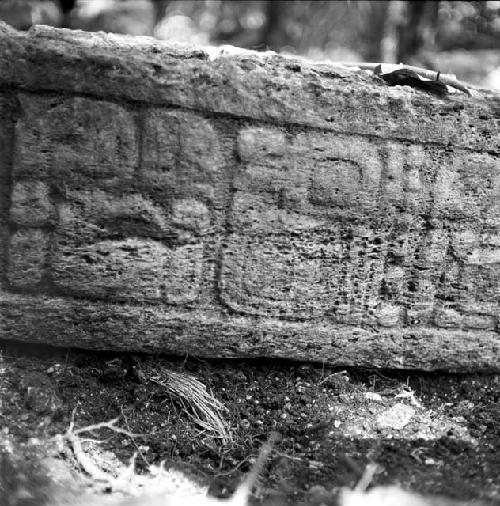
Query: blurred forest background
point(461, 38)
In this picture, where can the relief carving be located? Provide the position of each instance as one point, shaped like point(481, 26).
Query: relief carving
point(347, 229)
point(95, 221)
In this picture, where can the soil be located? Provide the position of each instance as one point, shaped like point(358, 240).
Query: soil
point(429, 433)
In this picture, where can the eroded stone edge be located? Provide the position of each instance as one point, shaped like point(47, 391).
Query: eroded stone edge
point(128, 328)
point(144, 70)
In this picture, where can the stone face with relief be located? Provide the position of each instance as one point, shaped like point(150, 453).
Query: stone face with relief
point(115, 231)
point(164, 203)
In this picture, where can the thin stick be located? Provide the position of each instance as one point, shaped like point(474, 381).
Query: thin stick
point(86, 462)
point(72, 435)
point(109, 425)
point(367, 477)
point(448, 79)
point(240, 497)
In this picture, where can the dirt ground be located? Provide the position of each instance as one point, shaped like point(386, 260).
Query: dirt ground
point(429, 433)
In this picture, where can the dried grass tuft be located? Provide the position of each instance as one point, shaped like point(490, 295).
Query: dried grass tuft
point(200, 406)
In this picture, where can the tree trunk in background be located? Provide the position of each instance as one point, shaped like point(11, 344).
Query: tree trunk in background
point(274, 33)
point(419, 30)
point(160, 8)
point(67, 7)
point(390, 36)
point(375, 28)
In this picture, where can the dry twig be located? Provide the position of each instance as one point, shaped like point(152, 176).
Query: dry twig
point(448, 79)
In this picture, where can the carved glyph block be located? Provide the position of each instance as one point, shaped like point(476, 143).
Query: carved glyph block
point(119, 227)
point(360, 231)
point(27, 258)
point(74, 140)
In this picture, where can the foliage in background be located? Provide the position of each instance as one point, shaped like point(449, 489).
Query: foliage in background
point(413, 32)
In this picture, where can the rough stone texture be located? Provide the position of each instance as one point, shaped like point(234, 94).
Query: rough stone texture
point(226, 203)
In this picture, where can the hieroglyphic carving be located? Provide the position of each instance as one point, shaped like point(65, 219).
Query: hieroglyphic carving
point(156, 198)
point(5, 161)
point(358, 231)
point(95, 221)
point(363, 232)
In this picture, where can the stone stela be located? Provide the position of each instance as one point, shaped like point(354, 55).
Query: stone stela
point(174, 228)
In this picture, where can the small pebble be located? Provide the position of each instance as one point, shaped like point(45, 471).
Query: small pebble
point(396, 417)
point(372, 396)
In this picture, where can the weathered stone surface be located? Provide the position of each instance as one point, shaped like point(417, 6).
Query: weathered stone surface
point(31, 203)
point(27, 257)
point(7, 107)
point(74, 140)
point(160, 198)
